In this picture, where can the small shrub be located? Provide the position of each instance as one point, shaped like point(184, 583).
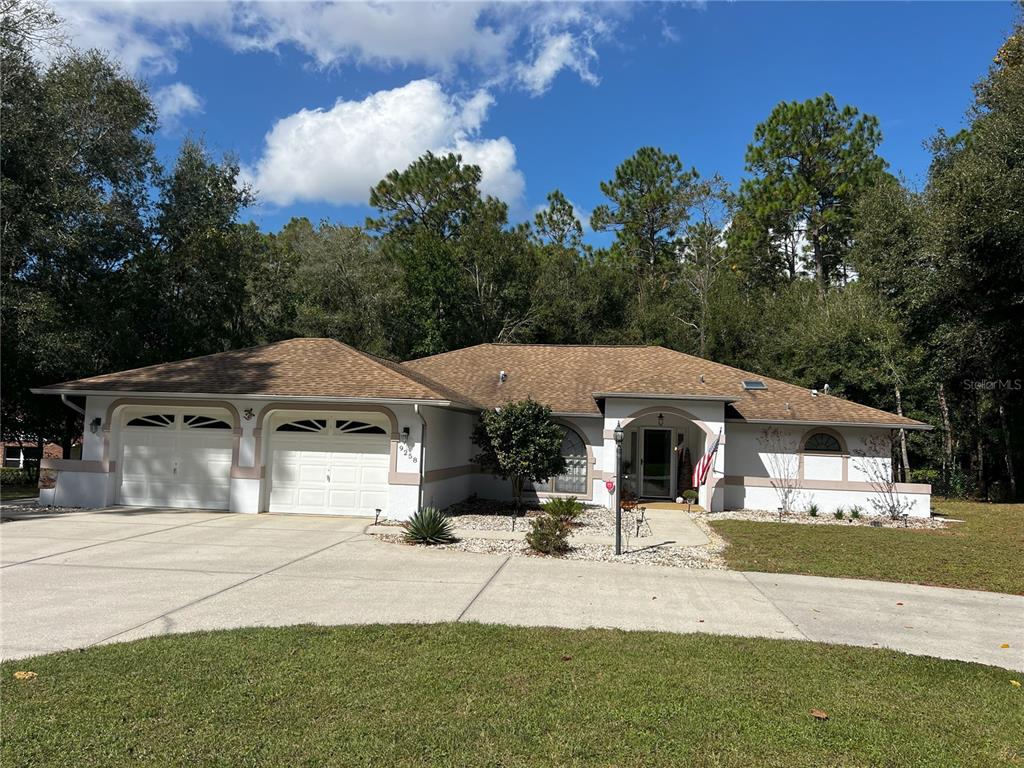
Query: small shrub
point(429, 526)
point(566, 510)
point(839, 513)
point(690, 497)
point(15, 476)
point(548, 535)
point(812, 510)
point(925, 475)
point(855, 512)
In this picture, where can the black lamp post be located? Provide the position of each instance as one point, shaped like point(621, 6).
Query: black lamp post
point(618, 488)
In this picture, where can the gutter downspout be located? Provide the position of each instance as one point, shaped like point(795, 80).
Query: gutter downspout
point(71, 405)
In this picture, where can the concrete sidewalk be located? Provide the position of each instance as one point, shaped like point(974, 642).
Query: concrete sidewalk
point(76, 580)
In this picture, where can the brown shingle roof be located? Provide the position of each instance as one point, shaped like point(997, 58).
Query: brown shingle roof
point(568, 378)
point(296, 368)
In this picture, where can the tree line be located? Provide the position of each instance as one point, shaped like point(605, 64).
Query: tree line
point(820, 267)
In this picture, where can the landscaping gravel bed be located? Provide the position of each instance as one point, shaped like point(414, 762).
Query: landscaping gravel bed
point(11, 512)
point(802, 518)
point(487, 515)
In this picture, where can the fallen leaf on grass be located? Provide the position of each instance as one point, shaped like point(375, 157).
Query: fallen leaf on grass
point(567, 658)
point(1015, 683)
point(899, 603)
point(24, 675)
point(818, 714)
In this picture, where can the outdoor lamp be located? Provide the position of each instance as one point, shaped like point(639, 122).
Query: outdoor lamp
point(661, 419)
point(618, 433)
point(405, 434)
point(94, 425)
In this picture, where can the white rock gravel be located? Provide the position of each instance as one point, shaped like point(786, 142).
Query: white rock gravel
point(595, 521)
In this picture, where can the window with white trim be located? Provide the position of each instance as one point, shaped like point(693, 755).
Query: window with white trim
point(159, 420)
point(352, 427)
point(304, 425)
point(822, 442)
point(574, 478)
point(193, 421)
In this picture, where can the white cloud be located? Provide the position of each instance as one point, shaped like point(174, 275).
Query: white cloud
point(558, 52)
point(176, 100)
point(336, 155)
point(524, 44)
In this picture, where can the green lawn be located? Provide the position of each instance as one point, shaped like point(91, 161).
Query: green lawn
point(984, 552)
point(472, 695)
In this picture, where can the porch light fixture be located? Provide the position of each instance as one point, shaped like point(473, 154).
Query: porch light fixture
point(94, 425)
point(405, 434)
point(661, 419)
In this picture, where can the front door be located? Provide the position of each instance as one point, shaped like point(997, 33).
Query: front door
point(656, 463)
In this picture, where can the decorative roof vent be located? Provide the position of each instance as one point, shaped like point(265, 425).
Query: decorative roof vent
point(752, 384)
point(501, 377)
point(814, 393)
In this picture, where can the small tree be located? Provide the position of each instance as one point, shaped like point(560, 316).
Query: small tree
point(876, 464)
point(780, 449)
point(520, 442)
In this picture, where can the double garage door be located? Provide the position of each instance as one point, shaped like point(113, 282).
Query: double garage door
point(329, 464)
point(176, 458)
point(316, 463)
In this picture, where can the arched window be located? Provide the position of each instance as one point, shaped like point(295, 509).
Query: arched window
point(822, 442)
point(153, 420)
point(574, 478)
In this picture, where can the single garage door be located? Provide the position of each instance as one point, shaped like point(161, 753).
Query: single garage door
point(176, 458)
point(324, 464)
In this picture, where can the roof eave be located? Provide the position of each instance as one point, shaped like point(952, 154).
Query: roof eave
point(919, 427)
point(665, 396)
point(233, 396)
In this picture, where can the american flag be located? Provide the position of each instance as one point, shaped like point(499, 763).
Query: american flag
point(700, 472)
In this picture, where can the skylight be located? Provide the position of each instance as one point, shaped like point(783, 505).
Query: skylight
point(754, 384)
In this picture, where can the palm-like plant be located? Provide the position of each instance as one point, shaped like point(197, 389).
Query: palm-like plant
point(429, 526)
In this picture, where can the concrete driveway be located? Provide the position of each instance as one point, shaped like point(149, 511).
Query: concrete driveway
point(80, 579)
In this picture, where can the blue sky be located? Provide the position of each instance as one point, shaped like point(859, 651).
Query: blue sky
point(318, 101)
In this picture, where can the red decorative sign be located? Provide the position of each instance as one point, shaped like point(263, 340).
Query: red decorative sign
point(610, 485)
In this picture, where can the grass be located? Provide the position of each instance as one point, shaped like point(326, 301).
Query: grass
point(984, 552)
point(475, 695)
point(12, 492)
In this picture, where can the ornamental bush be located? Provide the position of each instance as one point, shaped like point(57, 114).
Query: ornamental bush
point(566, 510)
point(520, 442)
point(429, 526)
point(548, 535)
point(15, 476)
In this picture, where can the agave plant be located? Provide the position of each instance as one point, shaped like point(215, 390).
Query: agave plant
point(429, 526)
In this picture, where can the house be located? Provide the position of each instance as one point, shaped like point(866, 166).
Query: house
point(315, 426)
point(22, 454)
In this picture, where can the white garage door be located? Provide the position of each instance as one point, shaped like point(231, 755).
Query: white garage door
point(174, 458)
point(325, 464)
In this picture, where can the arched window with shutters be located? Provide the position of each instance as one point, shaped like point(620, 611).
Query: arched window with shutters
point(573, 479)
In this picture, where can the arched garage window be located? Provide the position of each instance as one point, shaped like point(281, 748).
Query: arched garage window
point(822, 442)
point(152, 420)
point(574, 478)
